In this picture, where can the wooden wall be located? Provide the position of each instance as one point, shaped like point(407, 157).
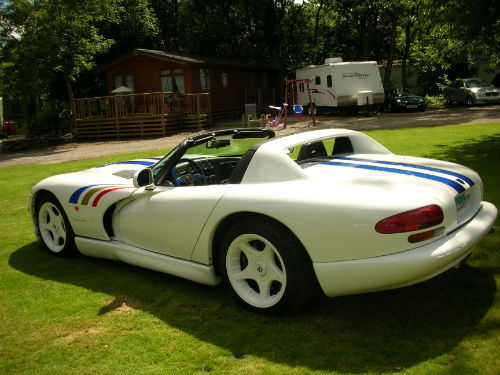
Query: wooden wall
point(147, 78)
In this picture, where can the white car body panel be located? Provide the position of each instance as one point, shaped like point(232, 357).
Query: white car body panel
point(174, 220)
point(115, 250)
point(331, 207)
point(405, 268)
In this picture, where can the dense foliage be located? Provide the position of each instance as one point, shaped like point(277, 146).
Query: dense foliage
point(48, 48)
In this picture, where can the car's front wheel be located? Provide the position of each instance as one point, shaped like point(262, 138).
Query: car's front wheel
point(266, 267)
point(54, 227)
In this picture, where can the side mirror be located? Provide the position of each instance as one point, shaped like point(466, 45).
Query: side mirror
point(144, 178)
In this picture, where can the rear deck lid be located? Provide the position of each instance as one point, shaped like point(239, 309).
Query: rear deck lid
point(432, 177)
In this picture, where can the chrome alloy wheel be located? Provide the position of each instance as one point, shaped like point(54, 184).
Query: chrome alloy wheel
point(52, 227)
point(256, 270)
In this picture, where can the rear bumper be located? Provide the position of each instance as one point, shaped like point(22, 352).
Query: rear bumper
point(408, 267)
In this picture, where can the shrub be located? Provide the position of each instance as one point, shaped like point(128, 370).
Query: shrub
point(434, 101)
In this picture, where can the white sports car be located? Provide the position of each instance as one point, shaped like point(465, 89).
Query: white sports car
point(274, 218)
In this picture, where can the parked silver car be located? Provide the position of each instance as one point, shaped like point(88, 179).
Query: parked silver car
point(471, 91)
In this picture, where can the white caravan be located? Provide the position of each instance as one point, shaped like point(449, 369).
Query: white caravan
point(341, 84)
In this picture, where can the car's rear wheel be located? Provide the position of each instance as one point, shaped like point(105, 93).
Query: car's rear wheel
point(54, 227)
point(266, 267)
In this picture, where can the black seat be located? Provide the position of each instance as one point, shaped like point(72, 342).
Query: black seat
point(312, 150)
point(342, 145)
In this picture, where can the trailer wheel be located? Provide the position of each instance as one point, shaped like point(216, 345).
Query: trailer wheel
point(315, 109)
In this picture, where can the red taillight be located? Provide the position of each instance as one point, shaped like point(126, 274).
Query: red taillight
point(421, 218)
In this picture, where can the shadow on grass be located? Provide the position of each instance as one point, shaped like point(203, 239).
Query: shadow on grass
point(474, 153)
point(481, 155)
point(379, 332)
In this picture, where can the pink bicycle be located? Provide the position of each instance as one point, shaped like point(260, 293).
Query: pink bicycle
point(275, 122)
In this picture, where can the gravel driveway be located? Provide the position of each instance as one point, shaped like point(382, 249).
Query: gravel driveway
point(88, 150)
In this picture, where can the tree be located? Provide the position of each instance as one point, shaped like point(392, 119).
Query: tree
point(57, 41)
point(167, 13)
point(133, 25)
point(475, 23)
point(394, 25)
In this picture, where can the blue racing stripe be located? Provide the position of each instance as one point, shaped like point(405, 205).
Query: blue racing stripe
point(76, 195)
point(455, 185)
point(138, 162)
point(443, 171)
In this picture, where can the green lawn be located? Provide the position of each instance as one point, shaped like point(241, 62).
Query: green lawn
point(91, 316)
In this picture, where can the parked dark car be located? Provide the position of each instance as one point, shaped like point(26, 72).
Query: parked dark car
point(403, 100)
point(471, 91)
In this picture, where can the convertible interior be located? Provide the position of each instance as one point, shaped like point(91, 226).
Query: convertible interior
point(218, 160)
point(207, 170)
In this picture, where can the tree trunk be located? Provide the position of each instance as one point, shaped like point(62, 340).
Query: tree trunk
point(406, 52)
point(388, 68)
point(316, 27)
point(72, 102)
point(175, 26)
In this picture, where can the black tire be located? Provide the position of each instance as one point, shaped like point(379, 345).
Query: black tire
point(447, 100)
point(54, 227)
point(470, 101)
point(265, 267)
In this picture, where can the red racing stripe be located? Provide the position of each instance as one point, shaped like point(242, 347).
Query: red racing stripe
point(104, 192)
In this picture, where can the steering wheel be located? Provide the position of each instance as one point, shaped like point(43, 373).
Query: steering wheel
point(189, 179)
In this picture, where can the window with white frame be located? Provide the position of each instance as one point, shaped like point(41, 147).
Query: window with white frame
point(126, 80)
point(118, 81)
point(205, 79)
point(172, 80)
point(224, 79)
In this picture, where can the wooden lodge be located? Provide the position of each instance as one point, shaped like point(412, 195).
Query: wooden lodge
point(154, 93)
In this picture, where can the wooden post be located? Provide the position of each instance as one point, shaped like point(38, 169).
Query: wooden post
point(285, 99)
point(209, 109)
point(198, 109)
point(117, 122)
point(74, 126)
point(162, 104)
point(310, 102)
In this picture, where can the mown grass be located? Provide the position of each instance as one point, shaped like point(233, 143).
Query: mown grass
point(91, 316)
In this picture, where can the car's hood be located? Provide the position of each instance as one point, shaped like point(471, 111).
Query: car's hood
point(401, 181)
point(101, 185)
point(123, 169)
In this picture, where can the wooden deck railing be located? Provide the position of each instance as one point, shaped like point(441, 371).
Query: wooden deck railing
point(153, 103)
point(154, 113)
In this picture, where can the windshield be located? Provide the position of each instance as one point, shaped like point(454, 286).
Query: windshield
point(401, 92)
point(217, 146)
point(157, 168)
point(223, 146)
point(475, 83)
